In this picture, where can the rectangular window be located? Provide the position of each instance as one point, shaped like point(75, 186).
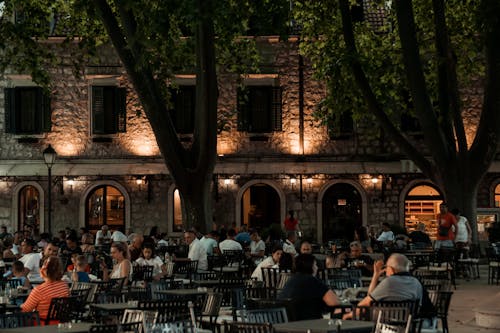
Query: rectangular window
point(108, 110)
point(183, 103)
point(27, 110)
point(341, 127)
point(259, 109)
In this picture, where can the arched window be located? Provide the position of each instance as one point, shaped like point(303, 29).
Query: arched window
point(260, 205)
point(178, 225)
point(422, 205)
point(105, 205)
point(29, 208)
point(497, 195)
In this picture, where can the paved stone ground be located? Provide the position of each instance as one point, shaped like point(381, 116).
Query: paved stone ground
point(468, 295)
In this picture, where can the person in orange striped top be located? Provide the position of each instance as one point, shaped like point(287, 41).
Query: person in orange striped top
point(41, 296)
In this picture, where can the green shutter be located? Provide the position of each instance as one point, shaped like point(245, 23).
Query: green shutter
point(10, 110)
point(121, 109)
point(243, 106)
point(276, 109)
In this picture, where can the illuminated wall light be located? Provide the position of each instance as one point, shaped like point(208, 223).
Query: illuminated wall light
point(374, 180)
point(227, 181)
point(293, 182)
point(309, 182)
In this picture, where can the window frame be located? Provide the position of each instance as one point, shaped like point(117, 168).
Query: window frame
point(274, 108)
point(40, 113)
point(113, 123)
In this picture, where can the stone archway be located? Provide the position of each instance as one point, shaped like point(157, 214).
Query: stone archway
point(267, 185)
point(324, 193)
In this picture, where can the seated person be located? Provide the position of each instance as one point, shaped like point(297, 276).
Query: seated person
point(308, 293)
point(41, 296)
point(18, 273)
point(257, 248)
point(74, 259)
point(122, 267)
point(399, 285)
point(149, 258)
point(79, 272)
point(387, 236)
point(272, 261)
point(356, 260)
point(419, 238)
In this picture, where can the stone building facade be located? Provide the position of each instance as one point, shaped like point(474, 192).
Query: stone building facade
point(333, 184)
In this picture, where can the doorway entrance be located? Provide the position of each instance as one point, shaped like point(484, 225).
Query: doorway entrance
point(421, 206)
point(341, 212)
point(260, 207)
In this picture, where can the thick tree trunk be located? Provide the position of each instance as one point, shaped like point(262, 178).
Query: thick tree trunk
point(197, 204)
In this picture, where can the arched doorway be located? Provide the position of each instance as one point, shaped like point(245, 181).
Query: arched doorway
point(421, 206)
point(105, 204)
point(260, 206)
point(29, 209)
point(341, 212)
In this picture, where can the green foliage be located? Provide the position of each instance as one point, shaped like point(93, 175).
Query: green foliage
point(380, 53)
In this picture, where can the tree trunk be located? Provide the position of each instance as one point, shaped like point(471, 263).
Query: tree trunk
point(196, 201)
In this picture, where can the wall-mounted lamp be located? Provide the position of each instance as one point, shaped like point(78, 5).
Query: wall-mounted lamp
point(140, 180)
point(70, 182)
point(293, 182)
point(374, 180)
point(227, 182)
point(309, 182)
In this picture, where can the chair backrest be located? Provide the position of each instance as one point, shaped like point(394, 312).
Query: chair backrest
point(270, 276)
point(19, 319)
point(340, 283)
point(130, 316)
point(269, 315)
point(441, 301)
point(186, 267)
point(233, 257)
point(168, 310)
point(391, 311)
point(62, 309)
point(171, 327)
point(115, 328)
point(92, 288)
point(403, 327)
point(283, 279)
point(212, 304)
point(142, 273)
point(237, 327)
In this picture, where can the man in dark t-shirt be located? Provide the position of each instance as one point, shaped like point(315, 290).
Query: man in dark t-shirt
point(309, 295)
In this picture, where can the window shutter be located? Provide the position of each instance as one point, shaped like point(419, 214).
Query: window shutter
point(10, 110)
point(276, 110)
point(243, 110)
point(121, 109)
point(98, 110)
point(44, 111)
point(184, 100)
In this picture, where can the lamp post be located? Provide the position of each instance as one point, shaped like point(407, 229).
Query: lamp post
point(49, 155)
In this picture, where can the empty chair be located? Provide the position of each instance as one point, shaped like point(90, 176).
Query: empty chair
point(238, 327)
point(493, 265)
point(186, 268)
point(282, 280)
point(92, 288)
point(62, 309)
point(210, 310)
point(170, 327)
point(441, 301)
point(168, 310)
point(19, 319)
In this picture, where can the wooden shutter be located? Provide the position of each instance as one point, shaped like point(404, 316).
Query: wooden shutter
point(276, 110)
point(183, 100)
point(10, 110)
point(121, 109)
point(98, 110)
point(243, 106)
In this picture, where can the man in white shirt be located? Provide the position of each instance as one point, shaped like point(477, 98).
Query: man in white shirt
point(272, 261)
point(209, 242)
point(196, 250)
point(119, 236)
point(30, 259)
point(387, 236)
point(102, 236)
point(229, 243)
point(289, 245)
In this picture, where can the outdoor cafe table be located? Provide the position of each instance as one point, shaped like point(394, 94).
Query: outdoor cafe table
point(113, 309)
point(323, 326)
point(206, 283)
point(184, 293)
point(75, 328)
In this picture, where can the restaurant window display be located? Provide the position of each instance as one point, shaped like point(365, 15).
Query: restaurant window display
point(105, 205)
point(29, 209)
point(422, 206)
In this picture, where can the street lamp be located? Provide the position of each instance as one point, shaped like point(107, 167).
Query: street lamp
point(49, 155)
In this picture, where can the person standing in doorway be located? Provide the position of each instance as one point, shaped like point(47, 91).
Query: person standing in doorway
point(291, 223)
point(463, 234)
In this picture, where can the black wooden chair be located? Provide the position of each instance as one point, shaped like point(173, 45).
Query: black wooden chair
point(19, 319)
point(142, 273)
point(441, 301)
point(186, 268)
point(238, 327)
point(62, 309)
point(269, 315)
point(391, 311)
point(116, 328)
point(168, 310)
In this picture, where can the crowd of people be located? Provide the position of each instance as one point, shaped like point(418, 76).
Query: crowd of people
point(38, 261)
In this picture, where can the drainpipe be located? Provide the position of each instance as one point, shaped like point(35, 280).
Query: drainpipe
point(301, 104)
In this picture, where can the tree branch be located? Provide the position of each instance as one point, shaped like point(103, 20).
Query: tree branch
point(149, 94)
point(486, 141)
point(449, 99)
point(371, 99)
point(416, 81)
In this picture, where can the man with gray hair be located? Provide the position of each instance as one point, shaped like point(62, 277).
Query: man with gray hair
point(399, 285)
